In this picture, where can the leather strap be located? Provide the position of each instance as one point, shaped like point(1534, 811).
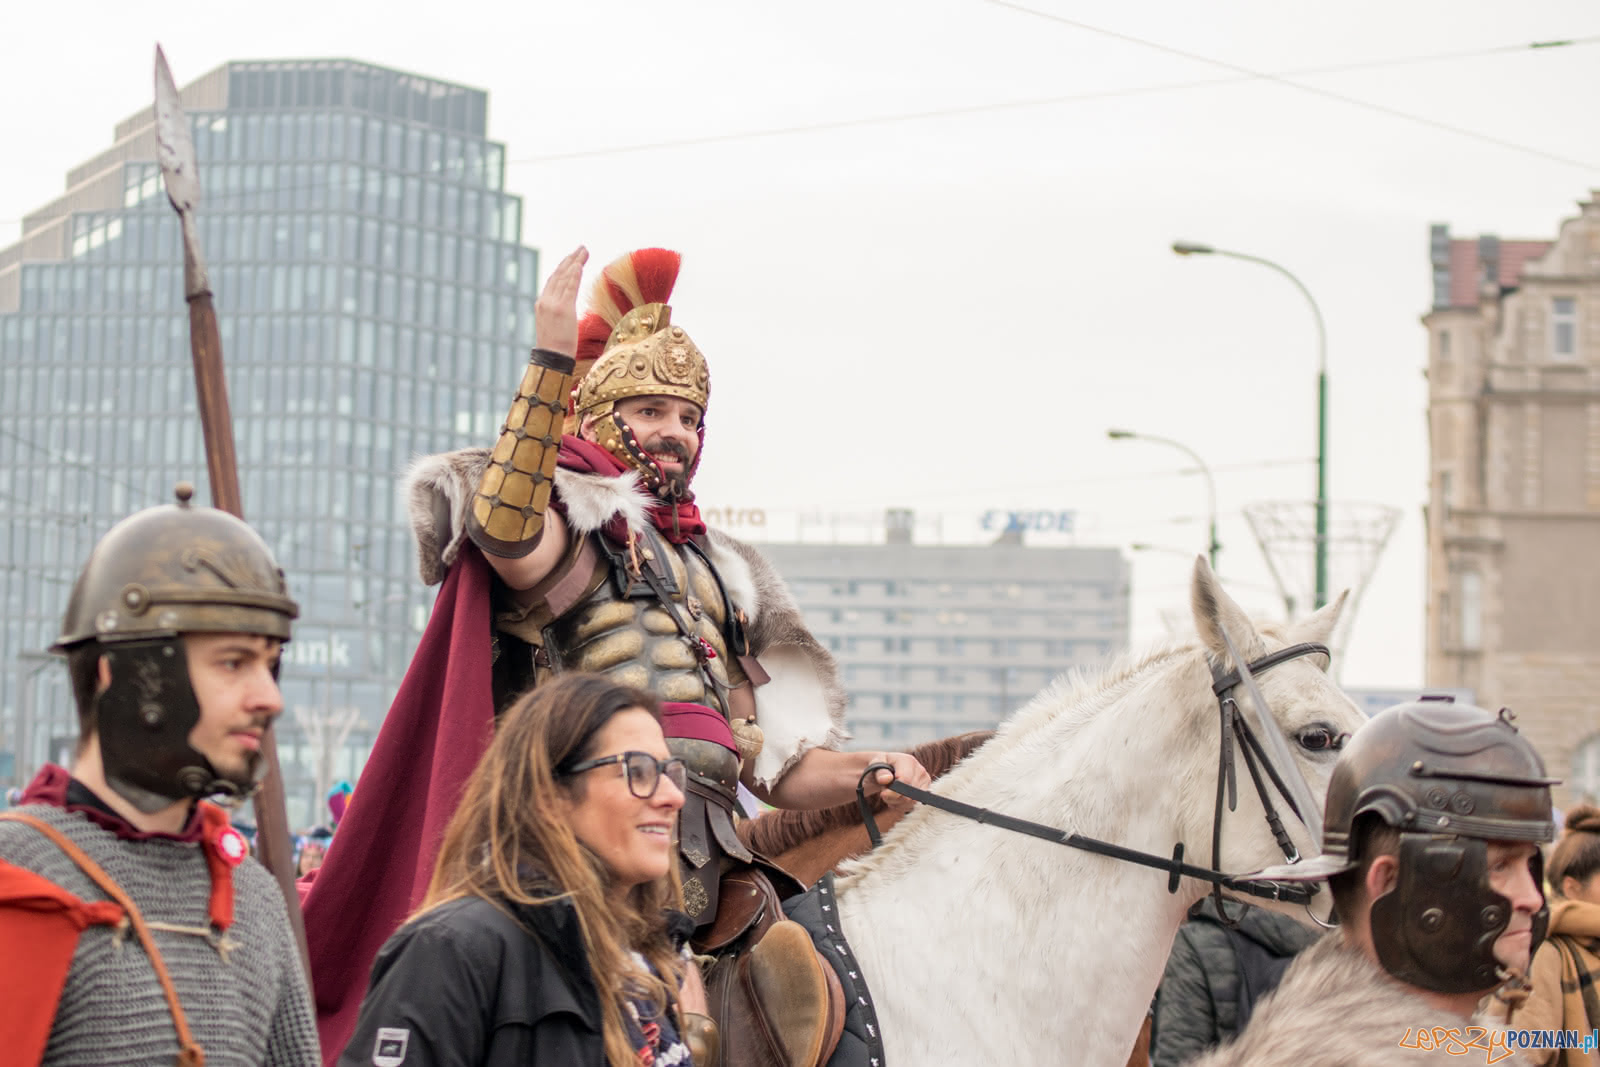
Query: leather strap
point(189, 1052)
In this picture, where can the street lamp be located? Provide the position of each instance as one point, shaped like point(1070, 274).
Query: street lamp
point(1192, 248)
point(1211, 483)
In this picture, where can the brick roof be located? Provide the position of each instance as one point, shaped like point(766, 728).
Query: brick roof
point(1466, 271)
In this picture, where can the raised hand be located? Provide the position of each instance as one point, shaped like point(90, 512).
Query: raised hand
point(555, 313)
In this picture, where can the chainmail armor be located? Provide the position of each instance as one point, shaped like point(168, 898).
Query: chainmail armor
point(250, 1008)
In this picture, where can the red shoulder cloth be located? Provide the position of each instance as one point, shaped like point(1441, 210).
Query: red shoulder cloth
point(39, 922)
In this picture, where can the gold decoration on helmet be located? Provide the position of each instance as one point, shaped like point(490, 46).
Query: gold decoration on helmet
point(628, 345)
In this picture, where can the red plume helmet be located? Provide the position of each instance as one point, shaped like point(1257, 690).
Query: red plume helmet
point(627, 282)
point(628, 347)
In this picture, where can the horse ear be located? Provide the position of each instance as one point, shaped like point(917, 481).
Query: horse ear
point(1318, 627)
point(1214, 609)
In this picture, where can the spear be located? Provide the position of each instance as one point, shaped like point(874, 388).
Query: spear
point(175, 150)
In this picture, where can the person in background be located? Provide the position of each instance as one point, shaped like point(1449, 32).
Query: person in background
point(1566, 966)
point(547, 935)
point(1215, 975)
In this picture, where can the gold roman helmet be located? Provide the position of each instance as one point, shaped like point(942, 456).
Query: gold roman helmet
point(628, 347)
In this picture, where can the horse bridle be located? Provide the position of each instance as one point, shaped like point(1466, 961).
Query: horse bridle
point(1234, 724)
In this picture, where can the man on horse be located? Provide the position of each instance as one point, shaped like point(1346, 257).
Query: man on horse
point(1434, 818)
point(583, 545)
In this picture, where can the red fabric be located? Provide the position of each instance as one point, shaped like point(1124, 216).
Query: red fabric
point(39, 928)
point(697, 723)
point(379, 865)
point(219, 863)
point(586, 457)
point(50, 785)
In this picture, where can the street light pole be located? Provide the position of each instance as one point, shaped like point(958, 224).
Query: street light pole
point(1191, 248)
point(1212, 545)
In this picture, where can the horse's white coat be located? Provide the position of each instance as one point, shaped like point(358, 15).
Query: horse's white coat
point(985, 946)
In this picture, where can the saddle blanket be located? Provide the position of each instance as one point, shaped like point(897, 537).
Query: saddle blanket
point(817, 910)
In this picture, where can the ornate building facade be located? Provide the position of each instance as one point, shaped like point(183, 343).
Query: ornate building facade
point(1514, 503)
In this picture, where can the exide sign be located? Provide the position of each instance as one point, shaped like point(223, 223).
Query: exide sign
point(1037, 521)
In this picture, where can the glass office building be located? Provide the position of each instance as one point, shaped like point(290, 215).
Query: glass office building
point(375, 304)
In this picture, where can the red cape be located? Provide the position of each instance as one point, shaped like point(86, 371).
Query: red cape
point(380, 862)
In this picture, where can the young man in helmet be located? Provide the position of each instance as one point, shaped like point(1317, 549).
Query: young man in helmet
point(1435, 813)
point(135, 927)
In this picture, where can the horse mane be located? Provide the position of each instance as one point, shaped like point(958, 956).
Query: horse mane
point(778, 831)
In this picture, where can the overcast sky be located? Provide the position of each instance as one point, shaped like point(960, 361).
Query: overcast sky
point(946, 312)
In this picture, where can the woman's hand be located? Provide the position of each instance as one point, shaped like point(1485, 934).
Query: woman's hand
point(555, 313)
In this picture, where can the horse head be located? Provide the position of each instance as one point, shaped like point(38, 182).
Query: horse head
point(1306, 707)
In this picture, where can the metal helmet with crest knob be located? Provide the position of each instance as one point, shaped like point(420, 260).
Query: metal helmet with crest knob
point(629, 347)
point(1450, 778)
point(159, 574)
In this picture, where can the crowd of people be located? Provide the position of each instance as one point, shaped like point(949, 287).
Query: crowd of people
point(545, 830)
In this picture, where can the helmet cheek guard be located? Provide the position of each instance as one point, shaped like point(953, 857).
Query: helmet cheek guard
point(144, 719)
point(1438, 927)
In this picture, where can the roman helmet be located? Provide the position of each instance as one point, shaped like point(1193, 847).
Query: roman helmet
point(156, 575)
point(1451, 778)
point(627, 347)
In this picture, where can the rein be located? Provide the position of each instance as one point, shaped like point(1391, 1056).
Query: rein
point(1233, 722)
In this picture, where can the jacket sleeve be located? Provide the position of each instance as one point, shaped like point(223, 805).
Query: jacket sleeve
point(1186, 1022)
point(428, 1003)
point(1542, 1009)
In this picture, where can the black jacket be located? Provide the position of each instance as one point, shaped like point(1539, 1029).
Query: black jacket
point(466, 986)
point(1215, 975)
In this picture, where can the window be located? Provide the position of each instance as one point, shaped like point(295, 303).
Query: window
point(1584, 781)
point(1470, 597)
point(1444, 346)
point(1563, 328)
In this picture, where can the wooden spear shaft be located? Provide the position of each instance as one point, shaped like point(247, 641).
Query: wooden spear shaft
point(175, 146)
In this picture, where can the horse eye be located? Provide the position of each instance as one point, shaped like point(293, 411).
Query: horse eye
point(1319, 739)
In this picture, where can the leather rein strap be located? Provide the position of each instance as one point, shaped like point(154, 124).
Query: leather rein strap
point(1174, 866)
point(189, 1052)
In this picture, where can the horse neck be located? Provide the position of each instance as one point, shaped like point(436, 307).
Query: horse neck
point(1130, 768)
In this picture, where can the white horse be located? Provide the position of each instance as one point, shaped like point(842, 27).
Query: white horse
point(984, 946)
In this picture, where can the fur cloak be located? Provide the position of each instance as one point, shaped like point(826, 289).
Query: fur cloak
point(1336, 1008)
point(801, 708)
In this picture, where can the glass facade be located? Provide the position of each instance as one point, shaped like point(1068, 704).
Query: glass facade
point(375, 303)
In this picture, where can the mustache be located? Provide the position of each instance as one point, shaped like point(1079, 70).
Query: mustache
point(662, 446)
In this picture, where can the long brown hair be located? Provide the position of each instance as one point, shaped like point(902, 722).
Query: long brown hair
point(509, 844)
point(1577, 854)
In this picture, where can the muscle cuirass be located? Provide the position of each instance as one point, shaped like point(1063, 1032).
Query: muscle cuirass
point(631, 626)
point(658, 620)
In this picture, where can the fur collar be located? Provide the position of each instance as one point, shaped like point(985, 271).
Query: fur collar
point(1336, 1008)
point(437, 491)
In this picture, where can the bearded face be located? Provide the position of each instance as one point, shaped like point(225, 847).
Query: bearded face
point(658, 434)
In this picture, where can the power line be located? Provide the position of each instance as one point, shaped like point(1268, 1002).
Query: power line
point(1284, 80)
point(1242, 75)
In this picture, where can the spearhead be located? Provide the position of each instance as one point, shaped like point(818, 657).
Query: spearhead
point(175, 151)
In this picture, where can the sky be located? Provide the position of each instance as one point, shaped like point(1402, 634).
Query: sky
point(927, 242)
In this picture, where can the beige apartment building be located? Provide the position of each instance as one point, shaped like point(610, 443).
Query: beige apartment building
point(1514, 504)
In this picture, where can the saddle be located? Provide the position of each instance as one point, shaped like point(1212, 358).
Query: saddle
point(776, 1001)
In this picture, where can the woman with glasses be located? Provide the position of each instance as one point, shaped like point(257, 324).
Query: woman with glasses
point(544, 936)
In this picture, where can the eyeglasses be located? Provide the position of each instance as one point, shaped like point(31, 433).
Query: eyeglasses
point(644, 771)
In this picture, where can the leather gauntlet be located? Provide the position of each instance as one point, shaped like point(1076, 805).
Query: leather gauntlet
point(507, 514)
